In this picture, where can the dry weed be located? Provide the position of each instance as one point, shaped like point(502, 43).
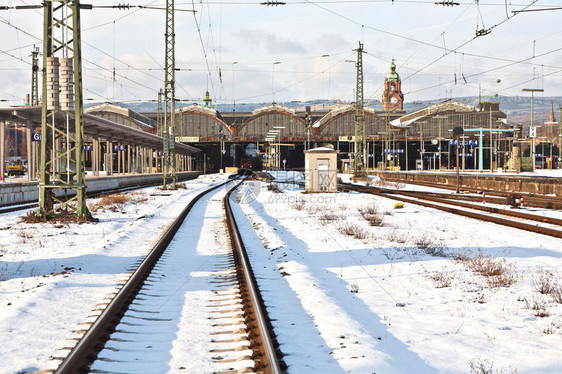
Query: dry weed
point(544, 283)
point(428, 246)
point(374, 219)
point(556, 294)
point(481, 365)
point(328, 217)
point(498, 272)
point(539, 306)
point(395, 237)
point(298, 205)
point(369, 209)
point(353, 230)
point(354, 288)
point(313, 209)
point(441, 279)
point(115, 202)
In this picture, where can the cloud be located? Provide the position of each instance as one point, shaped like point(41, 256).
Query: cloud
point(332, 42)
point(273, 44)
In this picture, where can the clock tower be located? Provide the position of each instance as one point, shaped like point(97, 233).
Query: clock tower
point(392, 98)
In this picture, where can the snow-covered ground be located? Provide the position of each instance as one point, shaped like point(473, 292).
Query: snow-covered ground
point(403, 297)
point(398, 299)
point(54, 276)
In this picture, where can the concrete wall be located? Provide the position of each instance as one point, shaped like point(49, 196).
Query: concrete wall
point(508, 182)
point(24, 192)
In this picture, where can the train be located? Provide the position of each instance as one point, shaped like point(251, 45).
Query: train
point(253, 163)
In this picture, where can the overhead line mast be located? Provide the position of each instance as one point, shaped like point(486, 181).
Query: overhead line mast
point(168, 134)
point(62, 146)
point(35, 76)
point(359, 164)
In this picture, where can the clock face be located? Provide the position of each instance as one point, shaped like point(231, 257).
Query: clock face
point(393, 100)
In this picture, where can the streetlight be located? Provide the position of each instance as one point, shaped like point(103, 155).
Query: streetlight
point(329, 63)
point(233, 99)
point(272, 78)
point(532, 130)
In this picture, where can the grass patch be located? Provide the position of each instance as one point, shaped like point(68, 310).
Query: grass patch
point(440, 279)
point(353, 230)
point(115, 202)
point(428, 246)
point(328, 217)
point(498, 272)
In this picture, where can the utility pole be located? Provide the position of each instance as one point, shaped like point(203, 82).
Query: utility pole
point(160, 114)
point(559, 135)
point(532, 130)
point(62, 148)
point(169, 171)
point(359, 165)
point(34, 76)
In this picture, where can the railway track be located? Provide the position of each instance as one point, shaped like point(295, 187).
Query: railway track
point(192, 304)
point(531, 200)
point(525, 221)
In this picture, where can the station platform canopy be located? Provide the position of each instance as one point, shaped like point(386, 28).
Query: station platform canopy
point(94, 126)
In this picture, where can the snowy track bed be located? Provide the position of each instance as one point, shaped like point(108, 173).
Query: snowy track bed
point(187, 315)
point(418, 291)
point(54, 278)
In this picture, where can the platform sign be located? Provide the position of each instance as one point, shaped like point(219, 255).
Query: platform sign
point(187, 139)
point(35, 137)
point(346, 138)
point(117, 148)
point(532, 132)
point(88, 148)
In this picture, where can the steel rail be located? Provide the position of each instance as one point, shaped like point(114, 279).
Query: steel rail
point(531, 199)
point(453, 199)
point(461, 212)
point(505, 212)
point(271, 362)
point(84, 352)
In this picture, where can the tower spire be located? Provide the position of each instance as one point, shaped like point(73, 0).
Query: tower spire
point(551, 118)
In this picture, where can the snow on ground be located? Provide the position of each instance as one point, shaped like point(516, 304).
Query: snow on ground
point(170, 328)
point(400, 298)
point(396, 300)
point(52, 277)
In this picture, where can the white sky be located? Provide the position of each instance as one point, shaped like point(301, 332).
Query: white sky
point(418, 34)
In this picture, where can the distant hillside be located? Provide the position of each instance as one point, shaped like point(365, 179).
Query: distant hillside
point(517, 108)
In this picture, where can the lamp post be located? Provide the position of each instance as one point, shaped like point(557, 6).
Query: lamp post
point(329, 63)
point(272, 79)
point(233, 99)
point(532, 130)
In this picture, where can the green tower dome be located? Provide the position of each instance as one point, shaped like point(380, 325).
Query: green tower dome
point(392, 75)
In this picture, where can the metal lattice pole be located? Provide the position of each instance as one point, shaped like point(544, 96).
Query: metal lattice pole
point(169, 103)
point(359, 164)
point(34, 76)
point(160, 113)
point(62, 146)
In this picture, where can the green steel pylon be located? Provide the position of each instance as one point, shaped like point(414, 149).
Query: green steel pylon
point(168, 134)
point(61, 166)
point(359, 164)
point(34, 76)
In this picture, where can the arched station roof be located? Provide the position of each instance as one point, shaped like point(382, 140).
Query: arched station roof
point(265, 119)
point(341, 122)
point(443, 107)
point(200, 124)
point(123, 116)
